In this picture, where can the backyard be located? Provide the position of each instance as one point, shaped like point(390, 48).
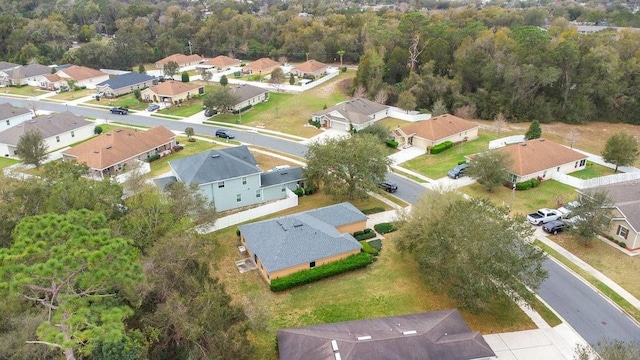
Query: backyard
point(592, 171)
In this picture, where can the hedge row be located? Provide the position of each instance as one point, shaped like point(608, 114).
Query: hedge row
point(373, 210)
point(153, 158)
point(526, 185)
point(392, 144)
point(305, 190)
point(365, 231)
point(384, 228)
point(441, 147)
point(365, 236)
point(368, 248)
point(353, 262)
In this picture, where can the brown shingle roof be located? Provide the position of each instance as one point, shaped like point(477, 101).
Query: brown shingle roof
point(538, 155)
point(78, 73)
point(119, 145)
point(180, 59)
point(439, 127)
point(222, 61)
point(310, 66)
point(173, 88)
point(262, 64)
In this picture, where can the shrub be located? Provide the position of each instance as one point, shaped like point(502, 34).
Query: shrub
point(344, 69)
point(368, 248)
point(384, 228)
point(376, 243)
point(238, 232)
point(392, 144)
point(97, 130)
point(365, 236)
point(242, 110)
point(308, 190)
point(622, 244)
point(299, 192)
point(441, 147)
point(372, 210)
point(353, 262)
point(462, 162)
point(528, 184)
point(365, 231)
point(314, 123)
point(153, 158)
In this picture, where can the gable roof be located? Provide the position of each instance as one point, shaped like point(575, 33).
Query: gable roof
point(173, 88)
point(356, 110)
point(538, 155)
point(77, 72)
point(222, 61)
point(180, 59)
point(128, 79)
point(119, 145)
point(439, 127)
point(283, 176)
point(310, 66)
point(246, 92)
point(48, 126)
point(7, 65)
point(215, 165)
point(626, 197)
point(8, 111)
point(28, 71)
point(436, 335)
point(301, 238)
point(262, 64)
point(52, 77)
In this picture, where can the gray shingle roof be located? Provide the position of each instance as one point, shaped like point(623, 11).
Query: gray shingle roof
point(439, 335)
point(29, 70)
point(246, 92)
point(626, 196)
point(8, 111)
point(7, 65)
point(215, 165)
point(281, 176)
point(125, 80)
point(301, 238)
point(48, 126)
point(356, 110)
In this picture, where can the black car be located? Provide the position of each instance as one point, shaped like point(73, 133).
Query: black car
point(210, 112)
point(458, 171)
point(119, 110)
point(388, 186)
point(556, 226)
point(224, 134)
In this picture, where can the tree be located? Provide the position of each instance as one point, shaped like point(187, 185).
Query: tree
point(189, 132)
point(472, 250)
point(206, 76)
point(489, 168)
point(592, 216)
point(31, 148)
point(340, 53)
point(97, 130)
point(171, 68)
point(439, 108)
point(141, 69)
point(499, 122)
point(381, 132)
point(621, 149)
point(185, 77)
point(534, 131)
point(572, 136)
point(347, 167)
point(70, 267)
point(292, 79)
point(609, 350)
point(407, 101)
point(382, 97)
point(221, 98)
point(277, 77)
point(223, 80)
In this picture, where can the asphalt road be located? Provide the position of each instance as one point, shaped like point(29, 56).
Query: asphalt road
point(592, 316)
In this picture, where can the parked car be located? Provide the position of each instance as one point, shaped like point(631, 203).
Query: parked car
point(543, 216)
point(98, 95)
point(458, 171)
point(567, 209)
point(62, 89)
point(119, 110)
point(153, 107)
point(556, 226)
point(210, 112)
point(388, 186)
point(224, 134)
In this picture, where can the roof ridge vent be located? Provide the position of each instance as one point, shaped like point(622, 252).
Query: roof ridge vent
point(409, 332)
point(365, 337)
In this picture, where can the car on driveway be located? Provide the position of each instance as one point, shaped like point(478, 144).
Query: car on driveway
point(153, 107)
point(458, 171)
point(210, 112)
point(388, 186)
point(556, 226)
point(222, 133)
point(119, 110)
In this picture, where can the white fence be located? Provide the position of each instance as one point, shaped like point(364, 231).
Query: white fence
point(141, 167)
point(603, 180)
point(290, 201)
point(498, 143)
point(412, 116)
point(286, 87)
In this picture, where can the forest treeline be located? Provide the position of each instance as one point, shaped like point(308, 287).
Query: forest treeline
point(526, 63)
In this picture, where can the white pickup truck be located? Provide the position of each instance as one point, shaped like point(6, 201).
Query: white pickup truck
point(543, 216)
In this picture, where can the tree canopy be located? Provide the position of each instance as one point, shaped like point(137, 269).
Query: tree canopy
point(221, 98)
point(31, 148)
point(489, 168)
point(534, 131)
point(592, 216)
point(621, 149)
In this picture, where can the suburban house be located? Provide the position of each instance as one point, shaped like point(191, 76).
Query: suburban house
point(31, 75)
point(181, 59)
point(302, 241)
point(249, 95)
point(220, 62)
point(540, 158)
point(310, 68)
point(625, 219)
point(357, 112)
point(83, 76)
point(58, 130)
point(230, 178)
point(125, 84)
point(11, 115)
point(109, 153)
point(436, 335)
point(425, 134)
point(172, 92)
point(4, 68)
point(262, 66)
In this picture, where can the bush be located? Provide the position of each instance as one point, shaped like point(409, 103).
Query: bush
point(365, 231)
point(462, 162)
point(384, 228)
point(441, 147)
point(526, 185)
point(622, 244)
point(299, 192)
point(97, 130)
point(153, 158)
point(353, 262)
point(392, 144)
point(365, 236)
point(314, 123)
point(308, 190)
point(368, 248)
point(242, 110)
point(376, 243)
point(238, 232)
point(344, 69)
point(372, 210)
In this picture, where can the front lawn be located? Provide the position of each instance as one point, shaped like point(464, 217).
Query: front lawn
point(549, 194)
point(128, 101)
point(73, 95)
point(437, 166)
point(5, 161)
point(23, 90)
point(592, 171)
point(186, 109)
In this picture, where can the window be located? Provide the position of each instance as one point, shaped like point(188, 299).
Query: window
point(582, 162)
point(244, 180)
point(258, 194)
point(544, 174)
point(8, 122)
point(220, 184)
point(622, 231)
point(73, 134)
point(238, 198)
point(57, 138)
point(312, 264)
point(284, 188)
point(558, 169)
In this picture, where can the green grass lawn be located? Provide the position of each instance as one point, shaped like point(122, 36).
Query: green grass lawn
point(437, 166)
point(4, 162)
point(128, 101)
point(73, 95)
point(592, 171)
point(161, 165)
point(549, 194)
point(187, 108)
point(23, 90)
